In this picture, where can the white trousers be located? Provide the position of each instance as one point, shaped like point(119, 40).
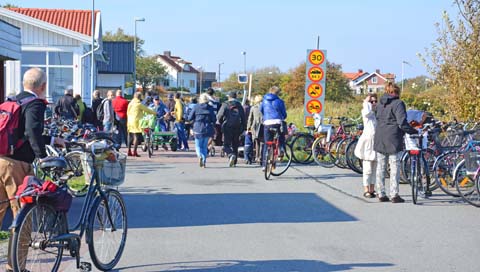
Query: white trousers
point(369, 172)
point(394, 162)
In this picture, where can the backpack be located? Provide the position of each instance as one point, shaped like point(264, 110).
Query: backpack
point(34, 189)
point(10, 112)
point(100, 113)
point(233, 119)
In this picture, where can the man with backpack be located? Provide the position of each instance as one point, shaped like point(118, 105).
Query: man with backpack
point(105, 112)
point(232, 117)
point(22, 120)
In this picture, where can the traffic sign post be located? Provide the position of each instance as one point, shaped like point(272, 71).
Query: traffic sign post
point(315, 85)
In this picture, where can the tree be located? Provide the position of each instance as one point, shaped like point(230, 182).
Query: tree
point(337, 88)
point(121, 36)
point(8, 5)
point(454, 59)
point(149, 71)
point(293, 86)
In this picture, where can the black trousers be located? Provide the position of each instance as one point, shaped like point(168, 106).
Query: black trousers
point(231, 141)
point(122, 131)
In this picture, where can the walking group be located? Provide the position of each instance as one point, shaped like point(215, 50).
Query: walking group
point(382, 141)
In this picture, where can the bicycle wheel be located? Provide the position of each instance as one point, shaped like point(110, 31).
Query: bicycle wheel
point(302, 148)
point(149, 144)
point(283, 163)
point(443, 172)
point(332, 147)
point(352, 161)
point(465, 185)
point(341, 160)
point(31, 246)
point(269, 162)
point(414, 174)
point(106, 239)
point(405, 168)
point(321, 155)
point(78, 184)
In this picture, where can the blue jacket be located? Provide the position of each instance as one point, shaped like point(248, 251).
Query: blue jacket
point(203, 119)
point(273, 107)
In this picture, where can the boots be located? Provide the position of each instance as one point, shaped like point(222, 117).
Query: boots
point(130, 154)
point(135, 154)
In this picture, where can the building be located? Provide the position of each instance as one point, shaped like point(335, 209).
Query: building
point(59, 42)
point(10, 50)
point(118, 68)
point(363, 82)
point(180, 73)
point(205, 80)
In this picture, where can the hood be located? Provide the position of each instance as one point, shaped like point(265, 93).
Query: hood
point(387, 99)
point(270, 97)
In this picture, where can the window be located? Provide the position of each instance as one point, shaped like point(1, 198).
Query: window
point(374, 79)
point(34, 58)
point(192, 83)
point(166, 83)
point(57, 65)
point(60, 58)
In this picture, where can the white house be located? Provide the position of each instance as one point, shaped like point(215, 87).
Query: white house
point(363, 82)
point(180, 73)
point(59, 42)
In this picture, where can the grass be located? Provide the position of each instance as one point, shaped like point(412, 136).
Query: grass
point(4, 235)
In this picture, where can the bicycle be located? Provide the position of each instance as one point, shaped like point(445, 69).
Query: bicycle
point(419, 170)
point(42, 233)
point(467, 174)
point(275, 163)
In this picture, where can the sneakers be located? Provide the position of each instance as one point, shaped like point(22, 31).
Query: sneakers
point(383, 199)
point(201, 162)
point(428, 193)
point(397, 199)
point(231, 160)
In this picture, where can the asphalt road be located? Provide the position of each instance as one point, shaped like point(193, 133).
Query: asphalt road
point(221, 219)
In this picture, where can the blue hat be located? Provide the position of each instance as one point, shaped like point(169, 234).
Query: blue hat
point(170, 96)
point(156, 97)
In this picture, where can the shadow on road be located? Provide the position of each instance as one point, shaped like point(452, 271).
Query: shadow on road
point(162, 210)
point(249, 266)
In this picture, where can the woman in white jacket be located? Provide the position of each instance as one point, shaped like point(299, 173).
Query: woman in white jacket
point(364, 149)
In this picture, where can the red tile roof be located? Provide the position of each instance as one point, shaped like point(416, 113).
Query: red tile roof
point(353, 76)
point(171, 61)
point(75, 20)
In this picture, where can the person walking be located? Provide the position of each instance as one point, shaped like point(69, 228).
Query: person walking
point(203, 119)
point(388, 140)
point(171, 107)
point(120, 106)
point(108, 113)
point(97, 100)
point(255, 127)
point(13, 168)
point(135, 112)
point(66, 107)
point(180, 123)
point(188, 109)
point(232, 118)
point(274, 115)
point(364, 149)
point(81, 108)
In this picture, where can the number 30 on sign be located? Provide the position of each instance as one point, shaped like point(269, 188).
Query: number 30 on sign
point(316, 57)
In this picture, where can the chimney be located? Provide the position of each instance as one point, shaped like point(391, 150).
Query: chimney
point(377, 71)
point(167, 53)
point(360, 71)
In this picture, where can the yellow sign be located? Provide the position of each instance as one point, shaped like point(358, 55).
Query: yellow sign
point(309, 121)
point(314, 106)
point(315, 74)
point(316, 57)
point(315, 90)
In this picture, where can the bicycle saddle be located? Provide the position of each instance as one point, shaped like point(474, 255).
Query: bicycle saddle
point(53, 162)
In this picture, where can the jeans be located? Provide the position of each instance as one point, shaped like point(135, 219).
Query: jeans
point(201, 147)
point(248, 147)
point(182, 139)
point(107, 126)
point(394, 161)
point(161, 126)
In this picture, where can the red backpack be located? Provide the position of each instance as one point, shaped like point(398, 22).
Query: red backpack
point(10, 112)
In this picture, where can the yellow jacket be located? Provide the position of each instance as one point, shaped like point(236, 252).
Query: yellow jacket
point(135, 112)
point(178, 110)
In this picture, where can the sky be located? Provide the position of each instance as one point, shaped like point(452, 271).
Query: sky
point(368, 34)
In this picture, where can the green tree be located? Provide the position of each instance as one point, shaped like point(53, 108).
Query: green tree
point(293, 86)
point(454, 59)
point(337, 88)
point(264, 78)
point(149, 72)
point(121, 36)
point(8, 5)
point(231, 83)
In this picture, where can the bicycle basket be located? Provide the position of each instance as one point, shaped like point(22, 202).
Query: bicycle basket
point(472, 161)
point(112, 170)
point(148, 121)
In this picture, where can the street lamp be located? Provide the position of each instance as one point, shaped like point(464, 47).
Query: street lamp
point(403, 69)
point(219, 79)
point(244, 53)
point(201, 77)
point(136, 19)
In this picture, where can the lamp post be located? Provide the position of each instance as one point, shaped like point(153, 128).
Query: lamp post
point(244, 53)
point(201, 78)
point(403, 70)
point(219, 79)
point(136, 19)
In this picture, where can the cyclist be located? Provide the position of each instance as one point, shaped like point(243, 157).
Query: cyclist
point(274, 115)
point(15, 167)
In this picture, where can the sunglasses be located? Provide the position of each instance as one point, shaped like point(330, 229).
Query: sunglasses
point(373, 101)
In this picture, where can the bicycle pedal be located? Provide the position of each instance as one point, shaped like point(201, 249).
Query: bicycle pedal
point(85, 266)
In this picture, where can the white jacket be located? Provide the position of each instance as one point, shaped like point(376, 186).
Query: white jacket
point(364, 149)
